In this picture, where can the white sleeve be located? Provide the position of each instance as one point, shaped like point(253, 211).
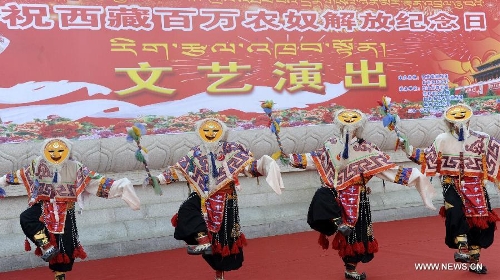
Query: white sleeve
point(417, 179)
point(120, 188)
point(3, 181)
point(123, 188)
point(268, 167)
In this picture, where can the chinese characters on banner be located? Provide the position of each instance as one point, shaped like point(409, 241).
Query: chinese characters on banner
point(92, 67)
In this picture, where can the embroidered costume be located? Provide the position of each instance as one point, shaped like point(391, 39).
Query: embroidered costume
point(465, 160)
point(54, 182)
point(341, 204)
point(208, 221)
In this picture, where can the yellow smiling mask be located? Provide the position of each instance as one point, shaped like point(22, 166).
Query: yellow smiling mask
point(458, 113)
point(458, 117)
point(211, 130)
point(56, 151)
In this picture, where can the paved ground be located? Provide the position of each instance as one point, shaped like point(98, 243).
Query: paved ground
point(403, 244)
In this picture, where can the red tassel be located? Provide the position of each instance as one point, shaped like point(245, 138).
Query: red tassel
point(442, 212)
point(373, 246)
point(338, 242)
point(235, 250)
point(65, 258)
point(79, 252)
point(174, 219)
point(323, 241)
point(225, 251)
point(217, 248)
point(38, 251)
point(243, 240)
point(358, 248)
point(349, 250)
point(493, 217)
point(57, 259)
point(52, 239)
point(27, 245)
point(478, 222)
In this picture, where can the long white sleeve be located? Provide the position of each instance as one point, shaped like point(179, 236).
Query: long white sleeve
point(417, 179)
point(120, 188)
point(268, 167)
point(3, 181)
point(123, 188)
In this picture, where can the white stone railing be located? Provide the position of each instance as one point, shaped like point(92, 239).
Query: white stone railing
point(109, 228)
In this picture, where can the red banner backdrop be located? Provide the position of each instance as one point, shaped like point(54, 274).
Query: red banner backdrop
point(90, 68)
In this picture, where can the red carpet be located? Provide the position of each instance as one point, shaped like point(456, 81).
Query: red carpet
point(295, 257)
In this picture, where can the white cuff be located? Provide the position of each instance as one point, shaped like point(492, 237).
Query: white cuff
point(123, 188)
point(268, 167)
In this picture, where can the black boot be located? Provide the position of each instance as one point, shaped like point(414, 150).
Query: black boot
point(463, 250)
point(48, 250)
point(204, 246)
point(475, 266)
point(351, 273)
point(344, 229)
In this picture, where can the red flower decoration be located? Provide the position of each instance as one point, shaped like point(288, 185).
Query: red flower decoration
point(66, 129)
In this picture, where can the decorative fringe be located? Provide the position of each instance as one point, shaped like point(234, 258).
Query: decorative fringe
point(225, 251)
point(358, 248)
point(345, 249)
point(79, 253)
point(235, 250)
point(243, 240)
point(174, 219)
point(38, 252)
point(60, 258)
point(66, 258)
point(52, 239)
point(373, 246)
point(348, 250)
point(217, 248)
point(442, 212)
point(478, 222)
point(338, 242)
point(27, 245)
point(483, 222)
point(323, 241)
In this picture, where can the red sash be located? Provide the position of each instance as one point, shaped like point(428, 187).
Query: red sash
point(54, 216)
point(215, 205)
point(349, 198)
point(472, 195)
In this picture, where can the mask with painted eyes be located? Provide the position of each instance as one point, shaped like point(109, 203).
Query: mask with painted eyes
point(349, 117)
point(56, 151)
point(459, 113)
point(210, 131)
